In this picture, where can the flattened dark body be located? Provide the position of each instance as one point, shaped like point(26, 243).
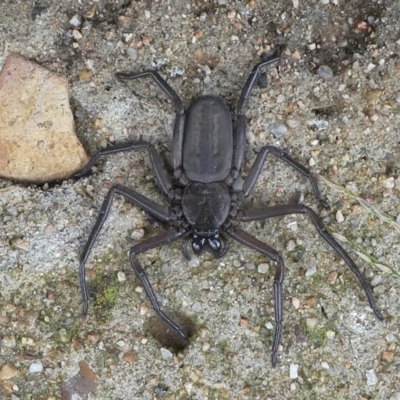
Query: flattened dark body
point(208, 141)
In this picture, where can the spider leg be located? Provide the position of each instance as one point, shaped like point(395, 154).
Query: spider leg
point(258, 164)
point(163, 238)
point(159, 170)
point(281, 210)
point(176, 156)
point(243, 237)
point(241, 120)
point(154, 209)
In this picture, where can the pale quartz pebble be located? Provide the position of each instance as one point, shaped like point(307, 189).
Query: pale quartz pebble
point(293, 371)
point(36, 367)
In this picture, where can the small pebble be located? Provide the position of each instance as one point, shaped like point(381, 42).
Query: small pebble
point(324, 365)
point(165, 269)
point(312, 269)
point(391, 338)
point(8, 341)
point(76, 34)
point(269, 325)
point(196, 307)
point(129, 357)
point(76, 21)
point(330, 334)
point(372, 379)
point(132, 53)
point(8, 371)
point(166, 354)
point(332, 276)
point(263, 268)
point(36, 367)
point(293, 372)
point(250, 266)
point(291, 244)
point(339, 216)
point(296, 302)
point(121, 276)
point(278, 129)
point(207, 80)
point(395, 396)
point(325, 72)
point(389, 182)
point(377, 280)
point(311, 322)
point(194, 262)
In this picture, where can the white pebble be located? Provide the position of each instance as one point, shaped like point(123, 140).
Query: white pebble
point(36, 367)
point(388, 183)
point(263, 268)
point(269, 325)
point(194, 262)
point(330, 334)
point(377, 280)
point(296, 302)
point(312, 268)
point(166, 354)
point(293, 371)
point(324, 365)
point(132, 53)
point(391, 338)
point(76, 21)
point(165, 269)
point(291, 244)
point(207, 80)
point(250, 266)
point(372, 379)
point(311, 322)
point(196, 307)
point(369, 68)
point(121, 276)
point(339, 216)
point(278, 129)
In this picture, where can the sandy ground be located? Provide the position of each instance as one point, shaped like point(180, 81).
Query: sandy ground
point(343, 125)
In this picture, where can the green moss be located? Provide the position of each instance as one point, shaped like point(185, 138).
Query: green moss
point(316, 335)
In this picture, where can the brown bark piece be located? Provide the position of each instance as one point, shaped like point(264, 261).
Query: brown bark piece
point(37, 132)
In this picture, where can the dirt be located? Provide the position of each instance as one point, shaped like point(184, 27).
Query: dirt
point(342, 122)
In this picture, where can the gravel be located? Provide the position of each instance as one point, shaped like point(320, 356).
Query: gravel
point(347, 124)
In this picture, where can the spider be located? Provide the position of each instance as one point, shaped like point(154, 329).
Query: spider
point(205, 191)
